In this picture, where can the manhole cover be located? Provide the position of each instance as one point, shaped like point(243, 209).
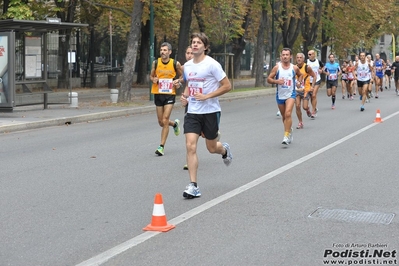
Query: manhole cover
point(353, 216)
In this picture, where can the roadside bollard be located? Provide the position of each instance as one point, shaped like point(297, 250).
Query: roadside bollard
point(73, 96)
point(114, 95)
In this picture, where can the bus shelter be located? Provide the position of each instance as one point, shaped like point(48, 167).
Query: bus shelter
point(24, 59)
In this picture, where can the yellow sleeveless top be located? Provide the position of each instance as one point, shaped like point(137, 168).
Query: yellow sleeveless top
point(306, 79)
point(165, 73)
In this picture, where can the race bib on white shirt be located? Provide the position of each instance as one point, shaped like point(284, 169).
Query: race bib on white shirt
point(165, 85)
point(195, 86)
point(285, 91)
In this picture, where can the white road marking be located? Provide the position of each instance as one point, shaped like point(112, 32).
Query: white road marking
point(107, 255)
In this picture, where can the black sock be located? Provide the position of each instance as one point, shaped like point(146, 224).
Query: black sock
point(161, 145)
point(175, 125)
point(224, 156)
point(194, 183)
point(333, 99)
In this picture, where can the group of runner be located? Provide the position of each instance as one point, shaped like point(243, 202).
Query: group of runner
point(299, 83)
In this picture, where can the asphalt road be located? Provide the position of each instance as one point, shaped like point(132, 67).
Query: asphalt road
point(81, 194)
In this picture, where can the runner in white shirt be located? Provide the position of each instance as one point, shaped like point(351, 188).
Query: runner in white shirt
point(317, 67)
point(206, 80)
point(283, 75)
point(361, 73)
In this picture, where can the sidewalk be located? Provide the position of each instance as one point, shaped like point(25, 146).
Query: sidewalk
point(95, 104)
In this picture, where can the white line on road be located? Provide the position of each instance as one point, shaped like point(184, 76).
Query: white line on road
point(107, 255)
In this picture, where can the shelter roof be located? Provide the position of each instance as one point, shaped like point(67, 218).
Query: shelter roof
point(51, 24)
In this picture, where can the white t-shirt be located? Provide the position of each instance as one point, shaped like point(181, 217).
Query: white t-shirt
point(315, 65)
point(203, 77)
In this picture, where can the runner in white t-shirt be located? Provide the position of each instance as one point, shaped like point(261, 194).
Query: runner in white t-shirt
point(206, 80)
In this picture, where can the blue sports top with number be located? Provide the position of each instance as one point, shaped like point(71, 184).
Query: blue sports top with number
point(332, 69)
point(288, 89)
point(363, 71)
point(379, 68)
point(203, 77)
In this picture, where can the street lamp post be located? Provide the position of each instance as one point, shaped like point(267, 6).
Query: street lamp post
point(110, 35)
point(273, 38)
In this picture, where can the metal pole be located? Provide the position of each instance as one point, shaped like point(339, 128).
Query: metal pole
point(273, 39)
point(151, 43)
point(110, 33)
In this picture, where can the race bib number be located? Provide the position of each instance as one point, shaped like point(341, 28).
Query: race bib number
point(287, 83)
point(195, 86)
point(332, 77)
point(165, 85)
point(362, 74)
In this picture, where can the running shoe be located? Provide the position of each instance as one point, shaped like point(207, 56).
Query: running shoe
point(286, 140)
point(309, 114)
point(176, 128)
point(314, 113)
point(159, 151)
point(362, 108)
point(228, 158)
point(343, 97)
point(185, 167)
point(191, 191)
point(299, 126)
point(278, 113)
point(386, 87)
point(351, 98)
point(381, 89)
point(397, 93)
point(376, 96)
point(333, 106)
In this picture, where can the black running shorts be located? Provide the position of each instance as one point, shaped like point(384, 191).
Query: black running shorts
point(164, 99)
point(205, 123)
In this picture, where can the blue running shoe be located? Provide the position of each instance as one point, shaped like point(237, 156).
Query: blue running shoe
point(191, 191)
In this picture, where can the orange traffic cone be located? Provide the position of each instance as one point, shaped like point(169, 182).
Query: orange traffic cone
point(158, 222)
point(378, 117)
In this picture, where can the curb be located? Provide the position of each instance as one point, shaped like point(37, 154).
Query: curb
point(86, 118)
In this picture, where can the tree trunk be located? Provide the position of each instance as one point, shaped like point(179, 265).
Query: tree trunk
point(239, 45)
point(291, 24)
point(198, 16)
point(143, 65)
point(6, 3)
point(66, 16)
point(260, 49)
point(277, 43)
point(184, 31)
point(310, 29)
point(131, 53)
